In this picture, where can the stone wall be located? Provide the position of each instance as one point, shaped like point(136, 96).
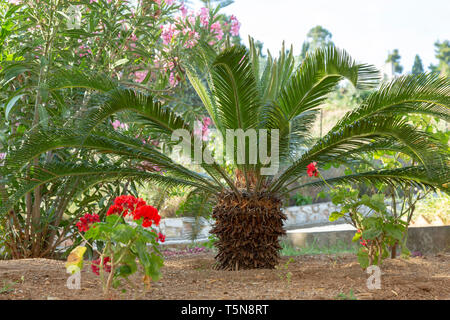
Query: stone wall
point(309, 215)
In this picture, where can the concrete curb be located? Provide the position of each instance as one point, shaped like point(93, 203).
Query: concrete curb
point(423, 239)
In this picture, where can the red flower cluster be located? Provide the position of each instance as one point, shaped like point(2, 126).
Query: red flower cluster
point(96, 265)
point(149, 214)
point(161, 237)
point(312, 170)
point(137, 208)
point(125, 205)
point(86, 221)
point(363, 242)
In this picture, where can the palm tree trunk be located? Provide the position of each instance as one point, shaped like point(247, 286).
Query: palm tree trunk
point(248, 230)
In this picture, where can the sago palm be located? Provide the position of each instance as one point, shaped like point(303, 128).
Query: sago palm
point(238, 95)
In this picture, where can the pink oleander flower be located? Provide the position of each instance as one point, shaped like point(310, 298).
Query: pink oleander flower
point(117, 124)
point(168, 31)
point(201, 128)
point(191, 18)
point(183, 10)
point(206, 121)
point(235, 26)
point(193, 40)
point(172, 80)
point(204, 16)
point(139, 76)
point(217, 30)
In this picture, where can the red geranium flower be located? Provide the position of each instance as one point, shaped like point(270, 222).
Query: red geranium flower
point(86, 221)
point(115, 209)
point(149, 213)
point(161, 237)
point(96, 265)
point(125, 204)
point(312, 170)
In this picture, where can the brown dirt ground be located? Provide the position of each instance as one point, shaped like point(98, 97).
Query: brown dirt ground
point(191, 277)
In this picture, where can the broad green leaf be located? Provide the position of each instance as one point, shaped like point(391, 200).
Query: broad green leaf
point(335, 215)
point(123, 233)
point(363, 258)
point(371, 233)
point(394, 231)
point(356, 237)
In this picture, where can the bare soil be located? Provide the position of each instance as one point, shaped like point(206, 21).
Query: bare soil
point(192, 277)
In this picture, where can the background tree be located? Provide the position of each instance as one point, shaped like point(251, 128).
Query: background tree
point(395, 57)
point(417, 67)
point(443, 55)
point(136, 43)
point(317, 37)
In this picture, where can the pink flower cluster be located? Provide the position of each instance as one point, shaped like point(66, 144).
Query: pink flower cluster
point(169, 30)
point(139, 76)
point(201, 129)
point(117, 124)
point(193, 38)
point(217, 29)
point(204, 16)
point(235, 26)
point(83, 51)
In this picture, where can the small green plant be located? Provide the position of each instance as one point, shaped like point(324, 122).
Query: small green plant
point(343, 296)
point(8, 286)
point(377, 230)
point(301, 200)
point(283, 273)
point(210, 244)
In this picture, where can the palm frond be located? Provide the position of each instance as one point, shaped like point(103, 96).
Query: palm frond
point(412, 176)
point(159, 118)
point(357, 135)
point(421, 94)
point(104, 141)
point(318, 75)
point(235, 90)
point(51, 172)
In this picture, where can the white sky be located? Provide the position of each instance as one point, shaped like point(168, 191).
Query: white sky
point(367, 29)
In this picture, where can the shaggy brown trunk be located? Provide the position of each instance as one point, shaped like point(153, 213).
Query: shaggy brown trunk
point(248, 230)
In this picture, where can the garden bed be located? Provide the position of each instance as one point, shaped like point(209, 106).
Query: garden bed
point(191, 276)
